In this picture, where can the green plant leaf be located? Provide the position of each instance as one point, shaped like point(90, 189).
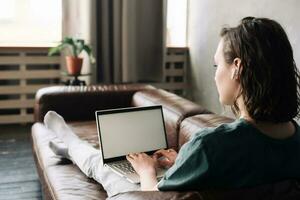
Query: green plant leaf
point(80, 41)
point(68, 40)
point(76, 46)
point(88, 50)
point(79, 44)
point(55, 50)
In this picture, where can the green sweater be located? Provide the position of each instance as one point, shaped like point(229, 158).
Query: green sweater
point(233, 155)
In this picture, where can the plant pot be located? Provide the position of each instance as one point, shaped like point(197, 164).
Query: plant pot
point(74, 65)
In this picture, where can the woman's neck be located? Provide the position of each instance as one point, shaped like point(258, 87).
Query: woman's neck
point(273, 130)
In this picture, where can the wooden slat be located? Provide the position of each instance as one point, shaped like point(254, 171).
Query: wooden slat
point(6, 75)
point(9, 104)
point(23, 111)
point(175, 58)
point(8, 119)
point(28, 89)
point(174, 72)
point(15, 60)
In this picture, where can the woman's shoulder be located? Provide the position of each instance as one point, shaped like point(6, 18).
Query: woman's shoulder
point(222, 130)
point(239, 133)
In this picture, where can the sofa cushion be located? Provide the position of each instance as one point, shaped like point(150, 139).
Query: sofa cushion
point(68, 182)
point(61, 178)
point(175, 109)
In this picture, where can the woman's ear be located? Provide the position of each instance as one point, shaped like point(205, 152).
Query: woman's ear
point(237, 62)
point(236, 68)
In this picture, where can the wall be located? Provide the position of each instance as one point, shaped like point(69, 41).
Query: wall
point(207, 17)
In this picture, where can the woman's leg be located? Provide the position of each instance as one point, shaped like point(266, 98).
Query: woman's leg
point(87, 158)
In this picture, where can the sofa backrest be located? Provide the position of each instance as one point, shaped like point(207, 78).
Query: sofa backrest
point(191, 125)
point(175, 109)
point(78, 103)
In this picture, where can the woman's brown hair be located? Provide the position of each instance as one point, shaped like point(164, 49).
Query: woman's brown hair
point(269, 77)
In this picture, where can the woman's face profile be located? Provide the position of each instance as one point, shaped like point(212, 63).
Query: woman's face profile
point(226, 85)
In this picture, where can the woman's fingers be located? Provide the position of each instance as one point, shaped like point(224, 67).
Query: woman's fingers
point(136, 155)
point(143, 154)
point(165, 163)
point(166, 158)
point(160, 153)
point(155, 156)
point(129, 158)
point(163, 152)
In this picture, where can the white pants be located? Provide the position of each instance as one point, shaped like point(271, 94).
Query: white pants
point(88, 159)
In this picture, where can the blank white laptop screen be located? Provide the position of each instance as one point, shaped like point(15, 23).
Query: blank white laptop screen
point(131, 132)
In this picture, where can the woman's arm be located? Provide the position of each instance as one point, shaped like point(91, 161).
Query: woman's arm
point(148, 181)
point(145, 165)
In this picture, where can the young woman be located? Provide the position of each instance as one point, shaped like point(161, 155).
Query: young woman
point(256, 75)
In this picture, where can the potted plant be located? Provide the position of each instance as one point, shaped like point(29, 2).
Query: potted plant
point(75, 47)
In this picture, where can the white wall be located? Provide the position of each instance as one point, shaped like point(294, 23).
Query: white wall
point(207, 17)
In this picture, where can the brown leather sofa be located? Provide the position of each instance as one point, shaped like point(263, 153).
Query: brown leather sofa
point(61, 179)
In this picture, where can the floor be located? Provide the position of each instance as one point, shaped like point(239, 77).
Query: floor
point(18, 174)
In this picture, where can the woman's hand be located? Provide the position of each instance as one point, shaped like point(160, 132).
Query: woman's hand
point(142, 163)
point(145, 166)
point(166, 158)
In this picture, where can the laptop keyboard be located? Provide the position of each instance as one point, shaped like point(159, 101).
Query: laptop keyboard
point(124, 166)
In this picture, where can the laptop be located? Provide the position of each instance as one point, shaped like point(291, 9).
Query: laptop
point(130, 130)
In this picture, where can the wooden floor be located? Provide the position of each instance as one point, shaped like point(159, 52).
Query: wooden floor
point(18, 175)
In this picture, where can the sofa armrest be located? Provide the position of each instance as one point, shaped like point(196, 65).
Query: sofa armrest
point(80, 102)
point(156, 195)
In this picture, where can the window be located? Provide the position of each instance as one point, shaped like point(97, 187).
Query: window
point(177, 23)
point(30, 22)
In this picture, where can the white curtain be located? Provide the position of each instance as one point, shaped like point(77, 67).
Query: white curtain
point(79, 20)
